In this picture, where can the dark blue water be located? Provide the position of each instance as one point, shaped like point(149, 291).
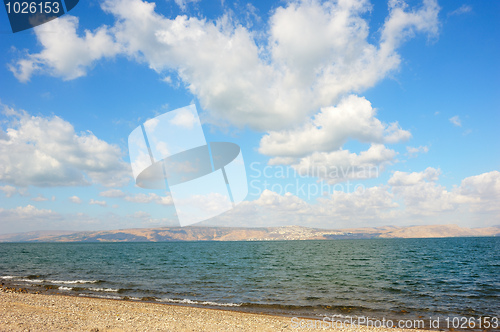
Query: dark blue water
point(391, 278)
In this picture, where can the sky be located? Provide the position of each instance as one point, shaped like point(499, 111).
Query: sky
point(348, 113)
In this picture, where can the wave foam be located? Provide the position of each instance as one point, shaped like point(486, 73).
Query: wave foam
point(103, 289)
point(73, 281)
point(188, 301)
point(103, 296)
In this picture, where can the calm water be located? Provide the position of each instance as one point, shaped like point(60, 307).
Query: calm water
point(393, 278)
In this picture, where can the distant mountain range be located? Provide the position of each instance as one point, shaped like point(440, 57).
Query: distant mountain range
point(249, 234)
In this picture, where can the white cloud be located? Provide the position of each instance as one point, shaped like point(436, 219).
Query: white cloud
point(352, 118)
point(47, 152)
point(484, 189)
point(96, 202)
point(183, 3)
point(140, 215)
point(456, 121)
point(315, 149)
point(373, 206)
point(28, 212)
point(26, 218)
point(165, 200)
point(414, 151)
point(75, 199)
point(422, 194)
point(10, 191)
point(112, 193)
point(146, 220)
point(315, 53)
point(408, 199)
point(270, 209)
point(184, 118)
point(342, 165)
point(142, 198)
point(464, 9)
point(361, 205)
point(402, 23)
point(409, 179)
point(41, 198)
point(30, 218)
point(148, 198)
point(64, 53)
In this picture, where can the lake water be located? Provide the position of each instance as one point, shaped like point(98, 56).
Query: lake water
point(389, 278)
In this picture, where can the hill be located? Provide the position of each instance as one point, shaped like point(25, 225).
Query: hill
point(197, 233)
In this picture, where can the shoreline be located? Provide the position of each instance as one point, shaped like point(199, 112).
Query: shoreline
point(23, 311)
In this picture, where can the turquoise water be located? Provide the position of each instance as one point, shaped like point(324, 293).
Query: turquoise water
point(391, 278)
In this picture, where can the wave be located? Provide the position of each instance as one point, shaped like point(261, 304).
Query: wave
point(32, 279)
point(188, 301)
point(81, 281)
point(103, 289)
point(132, 298)
point(113, 297)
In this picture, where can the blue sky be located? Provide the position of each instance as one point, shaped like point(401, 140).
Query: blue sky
point(317, 94)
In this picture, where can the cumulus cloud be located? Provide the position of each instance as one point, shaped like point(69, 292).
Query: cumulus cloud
point(142, 198)
point(375, 204)
point(30, 218)
point(484, 189)
point(65, 54)
point(40, 198)
point(146, 220)
point(75, 199)
point(414, 151)
point(47, 152)
point(408, 179)
point(314, 54)
point(342, 165)
point(10, 191)
point(112, 193)
point(23, 218)
point(315, 148)
point(270, 209)
point(422, 194)
point(96, 202)
point(456, 121)
point(184, 119)
point(329, 130)
point(408, 199)
point(148, 198)
point(337, 210)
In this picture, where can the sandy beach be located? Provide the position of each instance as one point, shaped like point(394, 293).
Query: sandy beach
point(43, 312)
